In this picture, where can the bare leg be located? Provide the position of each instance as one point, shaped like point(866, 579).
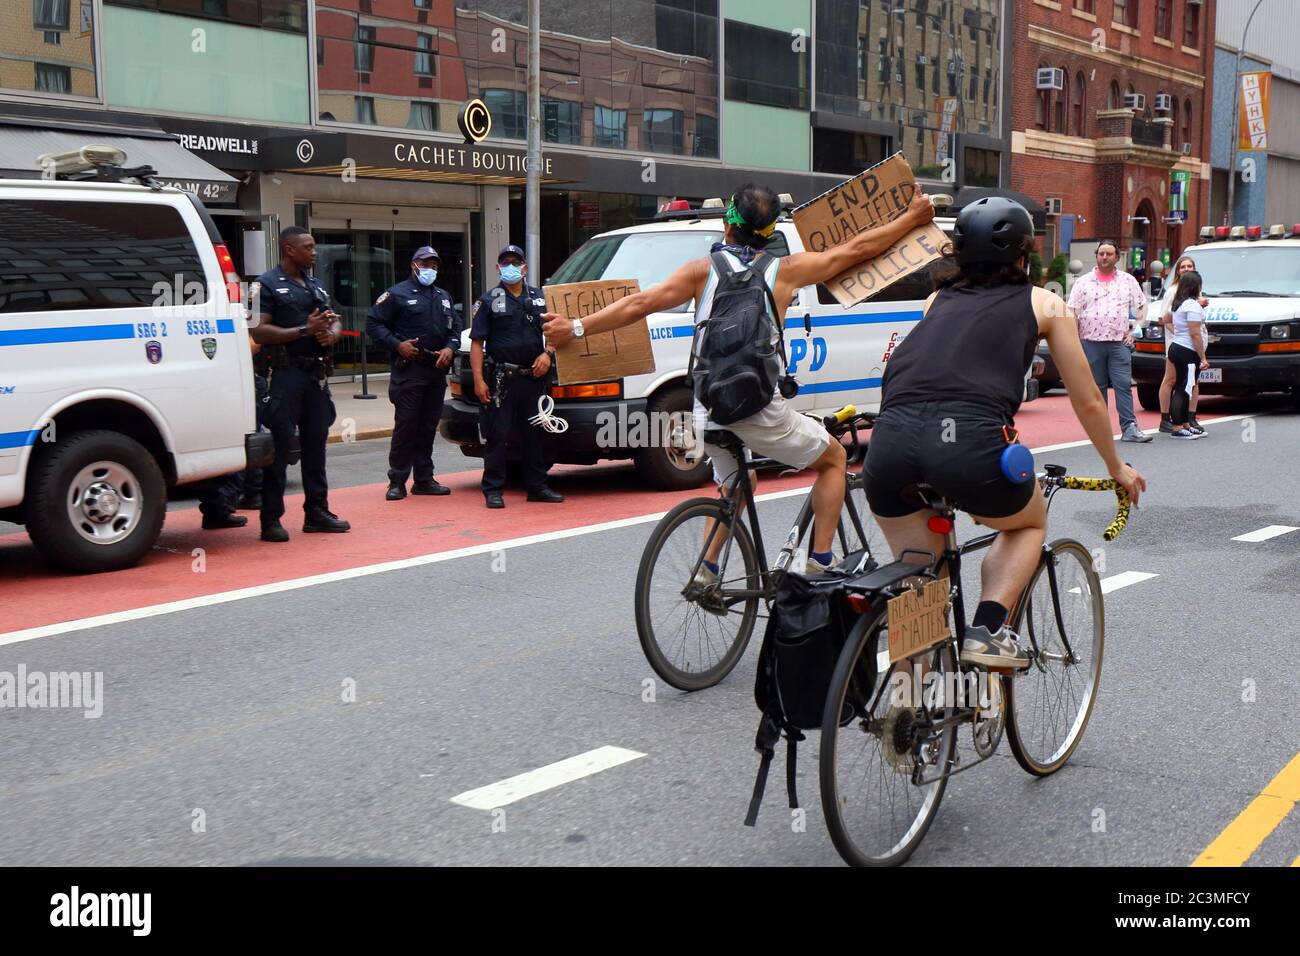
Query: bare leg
point(714, 542)
point(828, 494)
point(1167, 387)
point(1013, 557)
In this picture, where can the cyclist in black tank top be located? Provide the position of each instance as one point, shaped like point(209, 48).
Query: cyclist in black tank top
point(949, 390)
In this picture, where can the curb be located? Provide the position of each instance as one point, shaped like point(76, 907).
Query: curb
point(364, 435)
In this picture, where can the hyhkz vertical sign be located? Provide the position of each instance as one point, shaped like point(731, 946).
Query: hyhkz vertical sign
point(946, 107)
point(1253, 121)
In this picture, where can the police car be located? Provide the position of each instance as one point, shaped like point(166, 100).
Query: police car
point(837, 354)
point(1252, 280)
point(124, 359)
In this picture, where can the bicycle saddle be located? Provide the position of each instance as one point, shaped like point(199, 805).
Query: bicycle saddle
point(722, 438)
point(925, 495)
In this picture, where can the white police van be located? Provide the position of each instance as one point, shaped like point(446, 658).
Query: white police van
point(124, 360)
point(837, 354)
point(1252, 280)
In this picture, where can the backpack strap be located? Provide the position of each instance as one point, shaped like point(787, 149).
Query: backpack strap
point(760, 266)
point(792, 738)
point(769, 732)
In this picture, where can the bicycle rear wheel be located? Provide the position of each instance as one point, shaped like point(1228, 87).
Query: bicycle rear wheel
point(1049, 704)
point(694, 636)
point(875, 813)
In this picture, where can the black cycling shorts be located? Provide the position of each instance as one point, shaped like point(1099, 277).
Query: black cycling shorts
point(954, 447)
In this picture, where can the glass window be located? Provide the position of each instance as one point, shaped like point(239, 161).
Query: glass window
point(58, 255)
point(1187, 123)
point(706, 135)
point(648, 257)
point(286, 15)
point(1085, 6)
point(1261, 270)
point(762, 69)
point(423, 116)
point(424, 58)
point(611, 127)
point(561, 121)
point(1192, 26)
point(1113, 101)
point(365, 110)
point(661, 131)
point(509, 110)
point(51, 78)
point(1080, 106)
point(365, 49)
point(25, 43)
point(846, 152)
point(1126, 12)
point(1164, 18)
point(983, 167)
point(50, 14)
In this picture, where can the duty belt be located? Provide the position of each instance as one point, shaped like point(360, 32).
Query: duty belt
point(317, 366)
point(503, 372)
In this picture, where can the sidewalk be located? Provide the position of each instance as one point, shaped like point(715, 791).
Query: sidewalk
point(359, 418)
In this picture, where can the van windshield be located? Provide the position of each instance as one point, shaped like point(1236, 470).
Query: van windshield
point(1259, 271)
point(648, 257)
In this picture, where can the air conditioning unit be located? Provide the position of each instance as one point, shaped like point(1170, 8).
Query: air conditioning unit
point(1164, 102)
point(1053, 206)
point(1135, 101)
point(1050, 78)
point(1187, 149)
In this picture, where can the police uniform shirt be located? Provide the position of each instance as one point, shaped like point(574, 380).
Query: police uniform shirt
point(289, 302)
point(412, 311)
point(512, 326)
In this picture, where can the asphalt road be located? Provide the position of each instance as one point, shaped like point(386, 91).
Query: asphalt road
point(228, 736)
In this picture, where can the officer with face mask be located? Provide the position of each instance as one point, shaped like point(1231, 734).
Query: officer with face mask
point(415, 321)
point(511, 373)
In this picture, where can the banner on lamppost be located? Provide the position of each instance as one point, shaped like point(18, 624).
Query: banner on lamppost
point(1180, 181)
point(946, 107)
point(1252, 123)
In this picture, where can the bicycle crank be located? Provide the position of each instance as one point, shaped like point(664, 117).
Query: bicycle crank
point(988, 723)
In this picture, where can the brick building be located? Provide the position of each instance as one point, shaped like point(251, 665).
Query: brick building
point(1122, 137)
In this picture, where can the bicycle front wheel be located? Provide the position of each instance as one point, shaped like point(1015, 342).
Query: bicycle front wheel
point(1063, 617)
point(694, 633)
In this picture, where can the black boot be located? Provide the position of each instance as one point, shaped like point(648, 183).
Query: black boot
point(227, 520)
point(324, 521)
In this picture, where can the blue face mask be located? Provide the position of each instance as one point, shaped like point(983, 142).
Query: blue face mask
point(426, 276)
point(511, 274)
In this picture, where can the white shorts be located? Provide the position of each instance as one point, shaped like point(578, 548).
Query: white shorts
point(777, 432)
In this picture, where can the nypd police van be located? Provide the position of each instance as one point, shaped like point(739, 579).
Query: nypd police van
point(124, 360)
point(837, 354)
point(1252, 280)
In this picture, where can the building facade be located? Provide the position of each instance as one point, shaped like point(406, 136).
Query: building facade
point(1268, 176)
point(343, 116)
point(1111, 122)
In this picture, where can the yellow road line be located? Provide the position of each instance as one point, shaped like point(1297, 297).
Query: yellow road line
point(1243, 836)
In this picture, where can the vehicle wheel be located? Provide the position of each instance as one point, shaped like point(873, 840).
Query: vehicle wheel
point(668, 464)
point(97, 502)
point(1149, 397)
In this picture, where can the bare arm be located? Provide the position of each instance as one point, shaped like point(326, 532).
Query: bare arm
point(810, 268)
point(678, 289)
point(1058, 324)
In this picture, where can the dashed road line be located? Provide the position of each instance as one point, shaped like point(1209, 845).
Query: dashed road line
point(1124, 579)
point(553, 775)
point(1264, 534)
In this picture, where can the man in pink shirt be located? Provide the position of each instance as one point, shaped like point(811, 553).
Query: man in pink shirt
point(1105, 301)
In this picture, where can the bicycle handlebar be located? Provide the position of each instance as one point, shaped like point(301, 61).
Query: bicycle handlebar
point(1104, 484)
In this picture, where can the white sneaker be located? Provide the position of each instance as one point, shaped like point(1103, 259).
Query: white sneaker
point(999, 650)
point(704, 578)
point(1185, 433)
point(816, 567)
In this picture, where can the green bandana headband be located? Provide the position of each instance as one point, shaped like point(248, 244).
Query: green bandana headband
point(734, 218)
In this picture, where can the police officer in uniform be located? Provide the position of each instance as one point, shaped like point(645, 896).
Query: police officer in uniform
point(511, 378)
point(297, 329)
point(416, 322)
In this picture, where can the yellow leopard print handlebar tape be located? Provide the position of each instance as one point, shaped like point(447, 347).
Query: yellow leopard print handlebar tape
point(1104, 484)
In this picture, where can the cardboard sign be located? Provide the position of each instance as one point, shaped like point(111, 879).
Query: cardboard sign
point(606, 355)
point(872, 198)
point(918, 619)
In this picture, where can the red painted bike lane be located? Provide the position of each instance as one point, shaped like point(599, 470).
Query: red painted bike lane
point(32, 594)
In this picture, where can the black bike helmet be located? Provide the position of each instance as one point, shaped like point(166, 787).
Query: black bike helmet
point(991, 231)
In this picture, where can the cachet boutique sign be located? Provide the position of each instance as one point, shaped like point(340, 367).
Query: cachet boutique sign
point(467, 159)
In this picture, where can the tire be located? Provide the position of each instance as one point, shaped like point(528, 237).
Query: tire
point(669, 557)
point(1149, 397)
point(1048, 705)
point(78, 478)
point(841, 745)
point(665, 465)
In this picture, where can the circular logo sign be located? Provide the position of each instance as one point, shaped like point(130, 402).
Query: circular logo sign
point(305, 151)
point(475, 121)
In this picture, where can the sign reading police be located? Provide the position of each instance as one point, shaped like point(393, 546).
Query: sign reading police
point(605, 355)
point(872, 198)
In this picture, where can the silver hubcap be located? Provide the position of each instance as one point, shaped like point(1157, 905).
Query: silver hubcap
point(681, 442)
point(104, 502)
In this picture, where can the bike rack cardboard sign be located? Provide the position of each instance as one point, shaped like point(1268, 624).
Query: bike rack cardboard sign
point(918, 619)
point(872, 198)
point(606, 355)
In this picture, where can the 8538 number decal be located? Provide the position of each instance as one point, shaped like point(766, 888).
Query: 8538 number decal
point(200, 327)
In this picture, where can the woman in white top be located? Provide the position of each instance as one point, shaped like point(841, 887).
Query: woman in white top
point(1187, 351)
point(1166, 313)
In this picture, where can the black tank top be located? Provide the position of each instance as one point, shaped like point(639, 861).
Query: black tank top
point(974, 345)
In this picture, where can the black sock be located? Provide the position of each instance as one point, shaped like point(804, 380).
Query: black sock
point(990, 614)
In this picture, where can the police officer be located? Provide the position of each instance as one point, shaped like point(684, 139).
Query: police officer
point(416, 322)
point(298, 329)
point(511, 378)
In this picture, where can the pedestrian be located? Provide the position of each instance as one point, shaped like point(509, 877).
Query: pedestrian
point(511, 375)
point(1182, 266)
point(1186, 352)
point(298, 329)
point(415, 321)
point(1105, 302)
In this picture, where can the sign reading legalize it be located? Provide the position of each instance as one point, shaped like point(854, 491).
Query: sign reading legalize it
point(872, 198)
point(605, 355)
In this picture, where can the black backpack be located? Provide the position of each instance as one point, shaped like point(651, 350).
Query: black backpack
point(733, 367)
point(809, 623)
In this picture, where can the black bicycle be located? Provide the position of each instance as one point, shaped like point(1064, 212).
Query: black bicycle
point(694, 625)
point(893, 710)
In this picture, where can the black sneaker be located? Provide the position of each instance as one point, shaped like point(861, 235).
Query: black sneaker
point(494, 501)
point(1186, 434)
point(1194, 426)
point(324, 521)
point(1166, 425)
point(274, 531)
point(994, 650)
point(227, 520)
point(430, 487)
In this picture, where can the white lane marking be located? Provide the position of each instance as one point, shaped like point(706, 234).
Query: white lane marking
point(544, 778)
point(1124, 579)
point(1149, 431)
point(1263, 534)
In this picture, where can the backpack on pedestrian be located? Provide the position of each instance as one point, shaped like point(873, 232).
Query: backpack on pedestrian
point(734, 368)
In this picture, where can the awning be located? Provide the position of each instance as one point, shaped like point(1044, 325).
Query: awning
point(20, 144)
point(969, 194)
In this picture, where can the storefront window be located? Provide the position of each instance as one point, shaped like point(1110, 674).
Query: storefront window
point(661, 131)
point(48, 46)
point(561, 122)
